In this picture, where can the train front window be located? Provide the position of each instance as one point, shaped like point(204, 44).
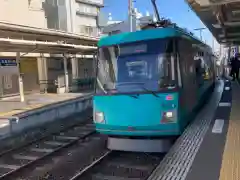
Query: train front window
point(134, 68)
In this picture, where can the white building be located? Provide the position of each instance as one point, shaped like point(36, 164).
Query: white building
point(77, 16)
point(73, 16)
point(115, 27)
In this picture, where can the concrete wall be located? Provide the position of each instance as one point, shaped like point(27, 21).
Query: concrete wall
point(22, 12)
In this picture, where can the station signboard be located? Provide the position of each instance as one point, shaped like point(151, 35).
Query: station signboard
point(8, 66)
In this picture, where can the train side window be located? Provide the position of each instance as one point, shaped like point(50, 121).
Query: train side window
point(200, 70)
point(168, 77)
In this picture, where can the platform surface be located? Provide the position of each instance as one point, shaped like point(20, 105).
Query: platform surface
point(209, 149)
point(230, 168)
point(12, 106)
point(217, 156)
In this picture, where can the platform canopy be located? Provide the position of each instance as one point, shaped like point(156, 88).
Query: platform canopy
point(221, 17)
point(17, 38)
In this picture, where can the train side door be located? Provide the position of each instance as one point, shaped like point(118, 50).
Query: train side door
point(187, 69)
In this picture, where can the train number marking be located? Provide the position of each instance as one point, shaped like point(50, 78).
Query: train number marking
point(218, 126)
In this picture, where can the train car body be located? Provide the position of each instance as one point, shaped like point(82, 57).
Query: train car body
point(149, 86)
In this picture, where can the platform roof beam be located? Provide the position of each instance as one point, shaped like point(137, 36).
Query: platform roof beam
point(222, 18)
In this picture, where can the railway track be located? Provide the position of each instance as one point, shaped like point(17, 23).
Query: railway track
point(114, 165)
point(15, 160)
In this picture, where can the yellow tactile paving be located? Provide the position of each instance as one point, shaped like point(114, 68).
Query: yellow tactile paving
point(17, 111)
point(230, 169)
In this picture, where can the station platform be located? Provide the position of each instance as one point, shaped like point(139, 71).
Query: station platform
point(39, 109)
point(209, 149)
point(12, 105)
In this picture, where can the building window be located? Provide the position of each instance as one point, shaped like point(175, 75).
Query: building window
point(35, 4)
point(89, 30)
point(82, 8)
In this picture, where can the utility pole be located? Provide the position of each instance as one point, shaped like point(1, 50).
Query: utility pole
point(200, 30)
point(130, 14)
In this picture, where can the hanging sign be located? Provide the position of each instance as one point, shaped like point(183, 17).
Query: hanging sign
point(8, 66)
point(8, 62)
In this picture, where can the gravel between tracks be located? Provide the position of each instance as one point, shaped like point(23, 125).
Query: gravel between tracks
point(20, 139)
point(67, 162)
point(119, 165)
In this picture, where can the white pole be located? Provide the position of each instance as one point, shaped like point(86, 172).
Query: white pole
point(130, 18)
point(20, 80)
point(66, 74)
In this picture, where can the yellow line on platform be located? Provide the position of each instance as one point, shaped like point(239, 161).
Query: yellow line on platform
point(24, 109)
point(230, 169)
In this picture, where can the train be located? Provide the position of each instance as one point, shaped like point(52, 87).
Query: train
point(150, 84)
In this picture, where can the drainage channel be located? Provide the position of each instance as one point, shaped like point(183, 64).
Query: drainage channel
point(115, 165)
point(15, 160)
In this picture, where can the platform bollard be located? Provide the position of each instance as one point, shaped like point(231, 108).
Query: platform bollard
point(11, 121)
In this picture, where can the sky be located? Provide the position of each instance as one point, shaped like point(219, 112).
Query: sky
point(179, 12)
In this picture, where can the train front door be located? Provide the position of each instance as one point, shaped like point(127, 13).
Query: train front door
point(187, 69)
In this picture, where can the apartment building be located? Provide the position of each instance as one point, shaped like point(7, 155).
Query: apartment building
point(73, 16)
point(85, 16)
point(77, 16)
point(23, 12)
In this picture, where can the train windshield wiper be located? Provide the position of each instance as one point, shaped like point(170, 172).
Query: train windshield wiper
point(153, 93)
point(141, 83)
point(131, 83)
point(101, 86)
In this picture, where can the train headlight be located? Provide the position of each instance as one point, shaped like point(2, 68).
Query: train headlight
point(169, 114)
point(99, 117)
point(169, 117)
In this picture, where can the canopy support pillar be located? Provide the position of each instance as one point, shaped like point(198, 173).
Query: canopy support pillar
point(66, 74)
point(20, 79)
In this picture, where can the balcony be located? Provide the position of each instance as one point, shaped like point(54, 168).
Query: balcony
point(83, 13)
point(89, 31)
point(98, 3)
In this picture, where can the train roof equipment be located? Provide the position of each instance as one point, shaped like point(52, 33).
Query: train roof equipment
point(148, 34)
